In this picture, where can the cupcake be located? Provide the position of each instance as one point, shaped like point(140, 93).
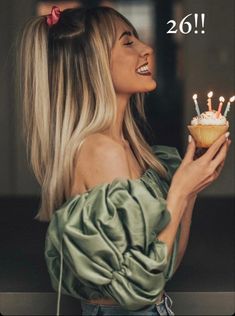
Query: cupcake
point(208, 126)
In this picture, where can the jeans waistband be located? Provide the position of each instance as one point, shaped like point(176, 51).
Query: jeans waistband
point(109, 301)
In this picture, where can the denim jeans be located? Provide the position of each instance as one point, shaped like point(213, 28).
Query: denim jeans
point(162, 308)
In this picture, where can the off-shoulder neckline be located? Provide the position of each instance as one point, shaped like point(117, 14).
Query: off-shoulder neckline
point(143, 176)
point(116, 179)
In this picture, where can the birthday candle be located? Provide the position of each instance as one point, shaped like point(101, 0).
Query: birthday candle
point(232, 99)
point(209, 95)
point(221, 100)
point(196, 104)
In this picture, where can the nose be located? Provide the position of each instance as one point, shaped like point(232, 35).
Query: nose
point(146, 50)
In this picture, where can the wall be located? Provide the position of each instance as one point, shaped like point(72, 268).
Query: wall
point(15, 175)
point(209, 63)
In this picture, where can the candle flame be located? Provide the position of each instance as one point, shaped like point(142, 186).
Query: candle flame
point(221, 99)
point(210, 94)
point(195, 97)
point(232, 99)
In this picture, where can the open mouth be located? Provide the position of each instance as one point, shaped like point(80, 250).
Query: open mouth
point(143, 70)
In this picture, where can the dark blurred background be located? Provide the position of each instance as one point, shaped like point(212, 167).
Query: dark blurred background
point(185, 64)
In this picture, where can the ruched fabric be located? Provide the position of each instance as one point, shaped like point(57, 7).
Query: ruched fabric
point(108, 239)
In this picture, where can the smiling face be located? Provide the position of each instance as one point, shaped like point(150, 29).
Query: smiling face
point(127, 56)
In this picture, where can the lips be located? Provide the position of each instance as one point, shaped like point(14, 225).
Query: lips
point(145, 64)
point(143, 70)
point(144, 74)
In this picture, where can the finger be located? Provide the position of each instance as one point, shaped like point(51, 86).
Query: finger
point(207, 181)
point(215, 146)
point(190, 150)
point(220, 157)
point(216, 174)
point(219, 169)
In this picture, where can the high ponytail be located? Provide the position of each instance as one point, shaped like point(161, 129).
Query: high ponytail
point(34, 93)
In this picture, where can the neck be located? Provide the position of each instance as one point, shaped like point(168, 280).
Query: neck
point(116, 131)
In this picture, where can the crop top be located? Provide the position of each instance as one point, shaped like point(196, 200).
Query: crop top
point(103, 243)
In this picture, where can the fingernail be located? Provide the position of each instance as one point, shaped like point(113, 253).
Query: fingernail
point(189, 138)
point(227, 134)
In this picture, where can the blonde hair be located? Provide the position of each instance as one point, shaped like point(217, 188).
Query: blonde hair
point(67, 94)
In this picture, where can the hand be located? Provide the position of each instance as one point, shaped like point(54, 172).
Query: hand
point(193, 176)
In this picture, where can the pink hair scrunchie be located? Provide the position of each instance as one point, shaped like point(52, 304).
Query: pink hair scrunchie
point(54, 16)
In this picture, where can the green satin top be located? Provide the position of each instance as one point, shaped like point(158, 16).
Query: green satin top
point(103, 243)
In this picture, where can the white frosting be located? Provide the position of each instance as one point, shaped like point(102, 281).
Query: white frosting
point(209, 118)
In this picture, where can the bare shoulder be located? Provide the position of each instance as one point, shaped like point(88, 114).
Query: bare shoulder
point(101, 160)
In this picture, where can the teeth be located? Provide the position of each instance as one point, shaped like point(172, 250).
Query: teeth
point(142, 69)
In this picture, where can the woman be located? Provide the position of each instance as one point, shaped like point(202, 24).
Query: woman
point(119, 211)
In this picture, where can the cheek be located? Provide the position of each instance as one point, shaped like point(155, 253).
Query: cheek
point(123, 65)
point(123, 75)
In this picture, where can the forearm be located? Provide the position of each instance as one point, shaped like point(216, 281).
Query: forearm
point(185, 230)
point(176, 205)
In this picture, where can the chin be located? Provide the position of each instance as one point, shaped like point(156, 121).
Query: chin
point(154, 86)
point(150, 87)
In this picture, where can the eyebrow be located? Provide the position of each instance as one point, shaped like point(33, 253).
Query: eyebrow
point(125, 33)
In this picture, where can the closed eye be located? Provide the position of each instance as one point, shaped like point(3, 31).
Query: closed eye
point(129, 43)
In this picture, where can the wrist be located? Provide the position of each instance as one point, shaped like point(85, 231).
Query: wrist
point(177, 202)
point(179, 194)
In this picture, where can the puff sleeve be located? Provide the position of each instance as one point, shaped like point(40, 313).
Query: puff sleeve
point(108, 239)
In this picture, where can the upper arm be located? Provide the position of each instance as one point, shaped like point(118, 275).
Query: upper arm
point(102, 160)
